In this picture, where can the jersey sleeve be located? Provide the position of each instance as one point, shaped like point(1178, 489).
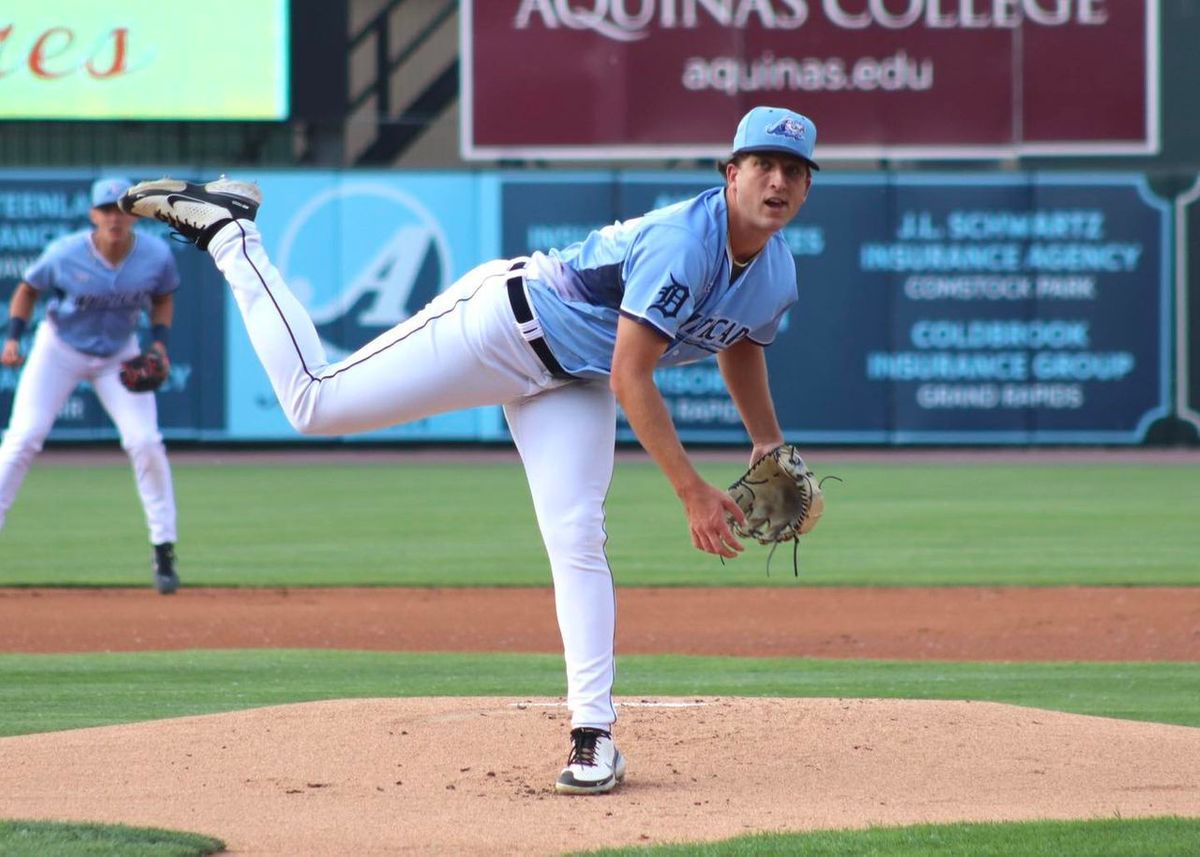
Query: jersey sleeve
point(766, 334)
point(664, 274)
point(40, 273)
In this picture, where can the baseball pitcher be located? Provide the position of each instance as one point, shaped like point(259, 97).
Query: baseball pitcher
point(557, 339)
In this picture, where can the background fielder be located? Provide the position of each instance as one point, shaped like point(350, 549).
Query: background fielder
point(557, 339)
point(99, 280)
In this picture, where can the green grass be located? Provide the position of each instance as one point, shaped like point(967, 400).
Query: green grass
point(460, 524)
point(57, 839)
point(1145, 837)
point(43, 693)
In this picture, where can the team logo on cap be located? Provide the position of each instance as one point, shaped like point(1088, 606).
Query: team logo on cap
point(788, 127)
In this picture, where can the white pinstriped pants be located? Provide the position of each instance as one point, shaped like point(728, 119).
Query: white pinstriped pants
point(463, 350)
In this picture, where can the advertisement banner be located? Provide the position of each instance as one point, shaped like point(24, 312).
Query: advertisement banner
point(35, 209)
point(144, 59)
point(1018, 309)
point(362, 252)
point(933, 309)
point(671, 78)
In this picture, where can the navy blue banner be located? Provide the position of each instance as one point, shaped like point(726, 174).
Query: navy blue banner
point(35, 210)
point(933, 309)
point(1014, 309)
point(978, 308)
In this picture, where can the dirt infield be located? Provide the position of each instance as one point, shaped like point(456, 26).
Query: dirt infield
point(473, 776)
point(954, 623)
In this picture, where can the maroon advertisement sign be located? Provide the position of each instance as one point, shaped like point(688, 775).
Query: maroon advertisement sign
point(605, 79)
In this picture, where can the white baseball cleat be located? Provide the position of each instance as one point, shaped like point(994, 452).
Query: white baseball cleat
point(594, 766)
point(195, 211)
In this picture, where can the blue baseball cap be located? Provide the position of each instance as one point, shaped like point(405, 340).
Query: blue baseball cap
point(107, 191)
point(776, 129)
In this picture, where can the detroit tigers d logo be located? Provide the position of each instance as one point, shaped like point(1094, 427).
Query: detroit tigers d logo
point(670, 298)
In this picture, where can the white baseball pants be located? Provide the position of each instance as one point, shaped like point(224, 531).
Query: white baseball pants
point(51, 373)
point(463, 350)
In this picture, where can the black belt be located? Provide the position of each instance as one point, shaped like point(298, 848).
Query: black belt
point(524, 314)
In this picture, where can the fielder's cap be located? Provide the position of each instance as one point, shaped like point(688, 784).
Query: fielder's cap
point(107, 191)
point(776, 129)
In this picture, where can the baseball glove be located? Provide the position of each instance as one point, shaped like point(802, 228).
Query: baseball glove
point(780, 497)
point(144, 373)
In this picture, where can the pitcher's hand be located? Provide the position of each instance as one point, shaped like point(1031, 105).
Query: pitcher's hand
point(708, 509)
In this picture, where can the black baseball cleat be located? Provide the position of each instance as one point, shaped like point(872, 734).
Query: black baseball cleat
point(195, 211)
point(166, 581)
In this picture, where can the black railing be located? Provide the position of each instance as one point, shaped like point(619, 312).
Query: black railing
point(400, 125)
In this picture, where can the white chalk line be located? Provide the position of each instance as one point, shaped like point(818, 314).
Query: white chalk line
point(642, 704)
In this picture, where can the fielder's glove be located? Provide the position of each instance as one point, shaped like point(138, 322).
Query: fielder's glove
point(144, 373)
point(780, 497)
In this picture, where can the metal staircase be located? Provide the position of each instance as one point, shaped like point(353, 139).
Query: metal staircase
point(403, 82)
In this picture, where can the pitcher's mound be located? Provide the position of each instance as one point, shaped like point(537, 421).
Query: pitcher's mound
point(474, 776)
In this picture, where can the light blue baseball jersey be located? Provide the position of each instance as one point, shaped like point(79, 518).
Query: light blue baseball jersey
point(669, 269)
point(93, 305)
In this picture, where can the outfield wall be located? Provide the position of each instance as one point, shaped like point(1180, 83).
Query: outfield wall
point(955, 308)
